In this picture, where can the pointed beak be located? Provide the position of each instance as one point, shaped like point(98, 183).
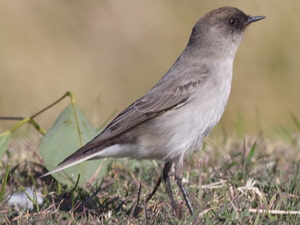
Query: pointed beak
point(252, 19)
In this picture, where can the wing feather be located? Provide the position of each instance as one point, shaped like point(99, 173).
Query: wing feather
point(162, 97)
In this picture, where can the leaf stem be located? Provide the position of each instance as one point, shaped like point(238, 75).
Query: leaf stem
point(24, 120)
point(68, 93)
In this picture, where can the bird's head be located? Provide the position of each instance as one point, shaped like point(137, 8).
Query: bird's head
point(221, 28)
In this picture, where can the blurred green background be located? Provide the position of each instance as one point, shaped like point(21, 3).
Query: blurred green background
point(109, 53)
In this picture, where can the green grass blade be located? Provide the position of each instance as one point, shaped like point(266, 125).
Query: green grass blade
point(4, 182)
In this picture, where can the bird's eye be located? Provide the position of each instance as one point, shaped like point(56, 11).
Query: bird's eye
point(233, 22)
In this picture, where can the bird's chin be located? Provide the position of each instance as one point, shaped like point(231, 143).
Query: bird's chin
point(237, 39)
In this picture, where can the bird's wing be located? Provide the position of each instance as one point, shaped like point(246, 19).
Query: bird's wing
point(166, 95)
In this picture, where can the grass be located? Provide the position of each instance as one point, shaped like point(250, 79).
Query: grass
point(231, 181)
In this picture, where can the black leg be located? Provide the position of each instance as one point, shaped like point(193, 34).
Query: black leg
point(155, 189)
point(166, 179)
point(185, 195)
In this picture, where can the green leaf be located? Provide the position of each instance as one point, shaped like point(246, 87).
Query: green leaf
point(71, 131)
point(251, 154)
point(4, 142)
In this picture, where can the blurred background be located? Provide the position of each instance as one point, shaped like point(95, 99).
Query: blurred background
point(109, 53)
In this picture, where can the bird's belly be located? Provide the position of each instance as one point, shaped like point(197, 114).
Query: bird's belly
point(179, 131)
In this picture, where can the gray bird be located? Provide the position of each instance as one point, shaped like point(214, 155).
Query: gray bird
point(172, 119)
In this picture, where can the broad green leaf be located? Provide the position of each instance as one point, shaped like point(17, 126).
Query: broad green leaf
point(4, 142)
point(71, 131)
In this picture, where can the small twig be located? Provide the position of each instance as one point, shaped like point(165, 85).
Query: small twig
point(278, 212)
point(54, 103)
point(73, 190)
point(205, 211)
point(133, 211)
point(145, 212)
point(11, 118)
point(24, 120)
point(133, 207)
point(139, 194)
point(215, 185)
point(83, 203)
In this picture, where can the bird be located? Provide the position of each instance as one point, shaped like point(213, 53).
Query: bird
point(172, 119)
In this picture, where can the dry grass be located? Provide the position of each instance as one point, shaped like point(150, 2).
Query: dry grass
point(231, 181)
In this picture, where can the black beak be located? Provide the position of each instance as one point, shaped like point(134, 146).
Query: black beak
point(252, 19)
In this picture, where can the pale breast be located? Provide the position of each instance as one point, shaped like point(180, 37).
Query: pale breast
point(182, 129)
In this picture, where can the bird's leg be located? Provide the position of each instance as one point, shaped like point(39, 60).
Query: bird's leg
point(155, 189)
point(178, 178)
point(166, 179)
point(185, 195)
